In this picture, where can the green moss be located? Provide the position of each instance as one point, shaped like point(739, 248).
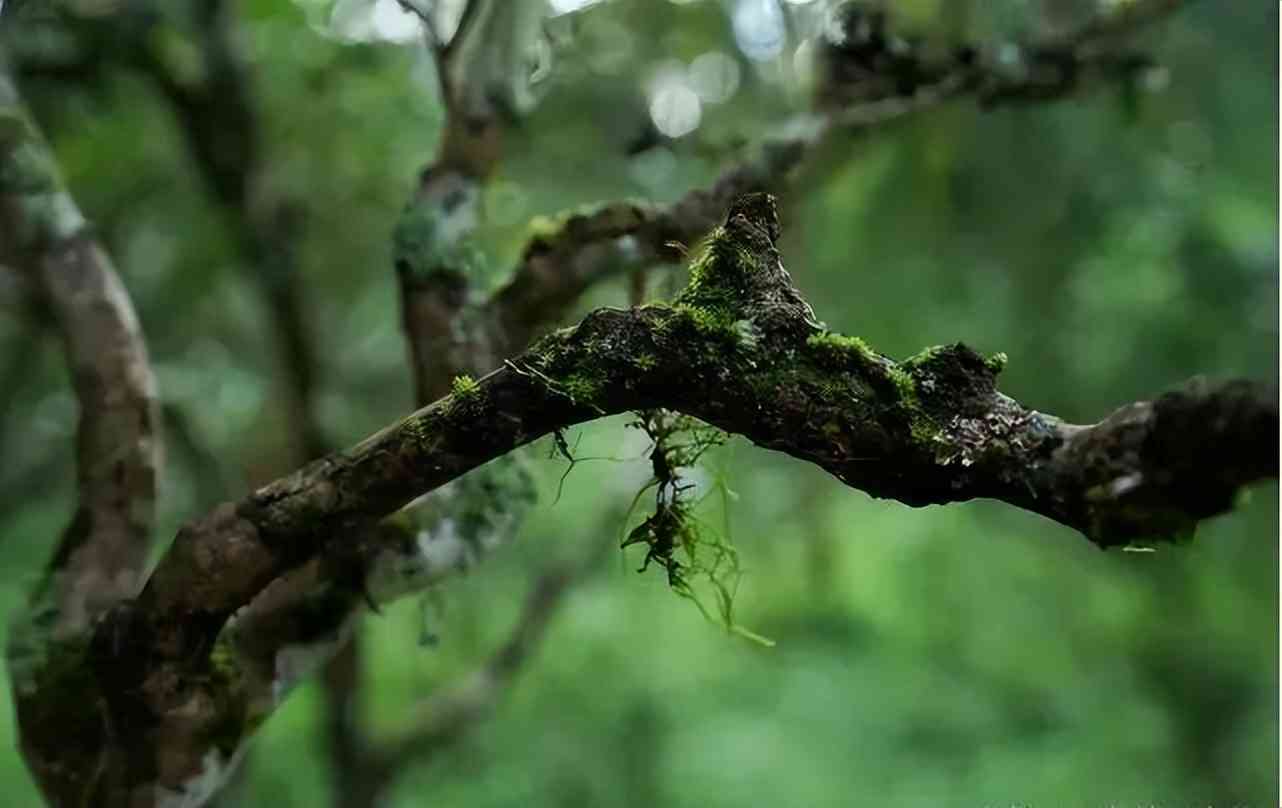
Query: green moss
point(920, 425)
point(905, 384)
point(236, 722)
point(423, 429)
point(464, 386)
point(581, 387)
point(923, 430)
point(702, 277)
point(720, 275)
point(840, 350)
point(222, 662)
point(923, 357)
point(542, 228)
point(997, 362)
point(548, 228)
point(746, 333)
point(709, 320)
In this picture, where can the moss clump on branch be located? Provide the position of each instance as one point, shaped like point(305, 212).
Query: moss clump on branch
point(585, 223)
point(905, 385)
point(582, 388)
point(723, 275)
point(464, 386)
point(841, 352)
point(710, 321)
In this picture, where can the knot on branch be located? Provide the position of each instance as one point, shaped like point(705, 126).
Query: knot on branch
point(739, 281)
point(954, 379)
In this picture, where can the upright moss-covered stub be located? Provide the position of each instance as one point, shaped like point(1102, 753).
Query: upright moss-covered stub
point(739, 276)
point(737, 259)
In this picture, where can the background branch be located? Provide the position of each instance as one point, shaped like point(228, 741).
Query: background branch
point(445, 717)
point(99, 558)
point(580, 248)
point(102, 552)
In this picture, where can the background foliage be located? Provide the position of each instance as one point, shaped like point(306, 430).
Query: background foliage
point(1112, 245)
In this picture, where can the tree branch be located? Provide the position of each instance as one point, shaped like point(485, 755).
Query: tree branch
point(453, 332)
point(932, 429)
point(99, 559)
point(42, 231)
point(576, 251)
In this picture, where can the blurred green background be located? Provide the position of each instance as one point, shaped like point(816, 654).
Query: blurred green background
point(1112, 245)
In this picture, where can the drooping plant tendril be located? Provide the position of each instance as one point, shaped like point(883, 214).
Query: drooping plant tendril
point(686, 547)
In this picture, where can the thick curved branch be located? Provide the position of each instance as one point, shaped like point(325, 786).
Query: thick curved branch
point(42, 231)
point(453, 331)
point(99, 559)
point(931, 429)
point(215, 106)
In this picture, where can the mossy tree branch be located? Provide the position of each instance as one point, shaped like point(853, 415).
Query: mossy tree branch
point(932, 429)
point(929, 430)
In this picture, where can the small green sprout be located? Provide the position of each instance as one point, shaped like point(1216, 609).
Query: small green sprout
point(464, 386)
